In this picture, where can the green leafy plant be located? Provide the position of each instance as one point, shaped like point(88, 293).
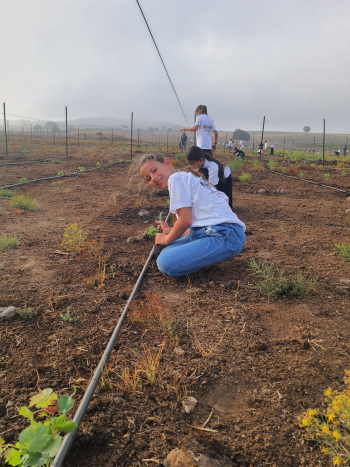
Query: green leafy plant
point(301, 175)
point(23, 202)
point(344, 251)
point(151, 231)
point(271, 164)
point(98, 164)
point(60, 173)
point(168, 201)
point(24, 179)
point(81, 169)
point(7, 242)
point(179, 156)
point(112, 267)
point(330, 428)
point(38, 444)
point(26, 313)
point(245, 177)
point(74, 238)
point(66, 316)
point(326, 177)
point(284, 170)
point(234, 164)
point(6, 194)
point(272, 280)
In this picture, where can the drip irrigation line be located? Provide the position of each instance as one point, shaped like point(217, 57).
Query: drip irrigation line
point(73, 174)
point(69, 438)
point(166, 71)
point(309, 181)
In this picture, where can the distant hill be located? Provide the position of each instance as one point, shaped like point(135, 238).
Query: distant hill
point(111, 122)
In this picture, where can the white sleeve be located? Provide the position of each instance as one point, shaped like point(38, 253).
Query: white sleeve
point(198, 122)
point(180, 192)
point(214, 127)
point(213, 170)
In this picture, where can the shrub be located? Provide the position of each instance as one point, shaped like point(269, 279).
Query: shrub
point(245, 177)
point(60, 173)
point(326, 177)
point(56, 161)
point(344, 251)
point(5, 194)
point(26, 313)
point(272, 281)
point(7, 242)
point(271, 164)
point(179, 156)
point(73, 238)
point(330, 428)
point(23, 202)
point(23, 179)
point(235, 164)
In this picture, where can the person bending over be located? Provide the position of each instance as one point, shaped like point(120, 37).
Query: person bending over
point(206, 232)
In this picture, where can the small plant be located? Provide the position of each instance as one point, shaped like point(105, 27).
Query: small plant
point(60, 173)
point(101, 272)
point(7, 242)
point(112, 268)
point(129, 378)
point(56, 161)
point(89, 282)
point(81, 169)
point(91, 250)
point(291, 171)
point(284, 170)
point(330, 428)
point(343, 172)
point(23, 202)
point(148, 363)
point(326, 177)
point(6, 194)
point(98, 164)
point(74, 238)
point(272, 164)
point(344, 251)
point(26, 313)
point(24, 179)
point(38, 444)
point(151, 231)
point(60, 182)
point(245, 177)
point(66, 316)
point(273, 282)
point(257, 166)
point(235, 164)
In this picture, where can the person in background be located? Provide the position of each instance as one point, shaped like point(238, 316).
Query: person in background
point(183, 142)
point(230, 145)
point(204, 126)
point(239, 153)
point(241, 143)
point(271, 148)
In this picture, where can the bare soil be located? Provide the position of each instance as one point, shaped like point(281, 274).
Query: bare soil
point(257, 363)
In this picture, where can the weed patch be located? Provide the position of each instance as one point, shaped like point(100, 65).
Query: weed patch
point(235, 164)
point(74, 238)
point(245, 177)
point(60, 182)
point(26, 313)
point(6, 194)
point(23, 202)
point(344, 251)
point(7, 242)
point(66, 316)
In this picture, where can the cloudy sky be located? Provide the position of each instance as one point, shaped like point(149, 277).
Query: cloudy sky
point(286, 59)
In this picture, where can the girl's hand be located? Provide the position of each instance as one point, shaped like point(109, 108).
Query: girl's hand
point(161, 239)
point(184, 129)
point(163, 226)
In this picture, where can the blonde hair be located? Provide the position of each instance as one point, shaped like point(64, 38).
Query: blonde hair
point(149, 157)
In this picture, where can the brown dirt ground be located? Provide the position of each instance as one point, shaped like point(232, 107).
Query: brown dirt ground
point(270, 360)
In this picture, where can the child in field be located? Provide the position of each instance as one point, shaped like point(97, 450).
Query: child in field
point(213, 170)
point(206, 231)
point(204, 126)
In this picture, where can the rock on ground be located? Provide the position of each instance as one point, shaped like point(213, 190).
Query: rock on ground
point(9, 312)
point(192, 455)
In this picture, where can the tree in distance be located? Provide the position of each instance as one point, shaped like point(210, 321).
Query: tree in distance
point(306, 129)
point(241, 134)
point(51, 126)
point(163, 127)
point(150, 129)
point(37, 127)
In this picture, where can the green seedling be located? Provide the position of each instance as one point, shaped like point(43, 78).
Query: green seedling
point(24, 179)
point(168, 201)
point(7, 242)
point(344, 251)
point(38, 444)
point(301, 175)
point(161, 214)
point(326, 177)
point(26, 313)
point(284, 170)
point(60, 173)
point(81, 169)
point(6, 194)
point(245, 177)
point(113, 270)
point(151, 231)
point(343, 173)
point(110, 162)
point(66, 316)
point(98, 164)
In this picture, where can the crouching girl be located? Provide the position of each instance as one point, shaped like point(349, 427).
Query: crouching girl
point(206, 231)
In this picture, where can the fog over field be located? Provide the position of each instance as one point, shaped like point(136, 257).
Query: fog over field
point(287, 60)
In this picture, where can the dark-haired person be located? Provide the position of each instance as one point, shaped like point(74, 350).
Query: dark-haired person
point(213, 170)
point(239, 153)
point(183, 142)
point(204, 127)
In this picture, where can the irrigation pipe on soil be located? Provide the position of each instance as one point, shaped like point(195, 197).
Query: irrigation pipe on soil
point(69, 438)
point(309, 181)
point(73, 174)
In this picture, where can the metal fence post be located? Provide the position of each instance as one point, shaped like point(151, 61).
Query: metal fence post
point(7, 151)
point(132, 122)
point(66, 134)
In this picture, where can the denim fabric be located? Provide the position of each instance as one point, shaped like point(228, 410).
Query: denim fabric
point(203, 247)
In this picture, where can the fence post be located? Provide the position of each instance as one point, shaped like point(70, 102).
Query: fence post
point(66, 134)
point(31, 133)
point(284, 145)
point(78, 137)
point(112, 136)
point(132, 122)
point(7, 151)
point(324, 139)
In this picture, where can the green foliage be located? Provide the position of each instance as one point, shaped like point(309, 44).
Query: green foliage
point(38, 444)
point(344, 251)
point(245, 177)
point(284, 170)
point(179, 156)
point(306, 129)
point(23, 202)
point(26, 313)
point(24, 179)
point(326, 177)
point(56, 161)
point(273, 282)
point(271, 164)
point(301, 175)
point(151, 231)
point(98, 164)
point(6, 194)
point(81, 169)
point(234, 164)
point(7, 242)
point(343, 172)
point(60, 173)
point(241, 134)
point(66, 316)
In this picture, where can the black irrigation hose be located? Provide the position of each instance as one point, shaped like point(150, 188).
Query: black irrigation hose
point(69, 438)
point(309, 181)
point(73, 174)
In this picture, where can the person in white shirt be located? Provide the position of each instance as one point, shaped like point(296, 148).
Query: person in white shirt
point(203, 127)
point(206, 231)
point(212, 169)
point(230, 145)
point(241, 143)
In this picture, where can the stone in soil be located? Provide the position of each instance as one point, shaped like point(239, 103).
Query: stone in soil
point(144, 213)
point(189, 404)
point(9, 312)
point(192, 455)
point(261, 191)
point(179, 351)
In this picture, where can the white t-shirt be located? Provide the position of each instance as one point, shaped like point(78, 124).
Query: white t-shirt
point(241, 144)
point(213, 170)
point(206, 126)
point(208, 205)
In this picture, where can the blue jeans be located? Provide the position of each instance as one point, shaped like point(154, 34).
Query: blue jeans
point(203, 247)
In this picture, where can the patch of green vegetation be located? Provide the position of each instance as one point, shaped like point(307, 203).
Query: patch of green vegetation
point(6, 194)
point(56, 161)
point(60, 173)
point(344, 251)
point(234, 164)
point(66, 316)
point(24, 179)
point(26, 313)
point(8, 242)
point(23, 202)
point(179, 156)
point(273, 282)
point(245, 177)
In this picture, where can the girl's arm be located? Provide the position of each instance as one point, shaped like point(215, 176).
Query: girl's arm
point(194, 128)
point(216, 134)
point(183, 222)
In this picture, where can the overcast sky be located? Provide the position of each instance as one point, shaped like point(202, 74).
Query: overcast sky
point(286, 59)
